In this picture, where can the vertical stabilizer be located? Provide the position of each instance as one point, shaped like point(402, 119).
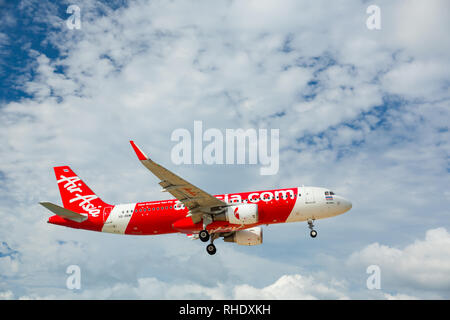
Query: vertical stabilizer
point(76, 195)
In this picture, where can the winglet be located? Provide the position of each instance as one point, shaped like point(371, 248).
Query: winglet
point(141, 155)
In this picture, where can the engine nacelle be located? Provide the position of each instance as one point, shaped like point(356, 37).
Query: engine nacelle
point(242, 213)
point(247, 237)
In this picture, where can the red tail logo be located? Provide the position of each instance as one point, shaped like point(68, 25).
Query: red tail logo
point(75, 194)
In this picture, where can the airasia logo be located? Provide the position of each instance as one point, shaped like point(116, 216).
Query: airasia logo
point(236, 213)
point(254, 197)
point(72, 186)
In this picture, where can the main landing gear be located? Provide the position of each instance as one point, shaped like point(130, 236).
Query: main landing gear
point(313, 232)
point(204, 236)
point(211, 249)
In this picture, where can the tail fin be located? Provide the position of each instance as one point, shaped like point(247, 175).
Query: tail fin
point(76, 195)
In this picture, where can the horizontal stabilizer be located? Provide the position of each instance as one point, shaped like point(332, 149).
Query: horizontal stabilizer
point(64, 213)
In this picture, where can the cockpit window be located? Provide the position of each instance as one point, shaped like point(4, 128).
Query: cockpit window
point(332, 193)
point(327, 193)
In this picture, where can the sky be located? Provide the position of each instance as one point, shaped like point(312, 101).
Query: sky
point(364, 112)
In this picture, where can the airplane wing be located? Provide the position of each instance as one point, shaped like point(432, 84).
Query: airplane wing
point(64, 213)
point(191, 196)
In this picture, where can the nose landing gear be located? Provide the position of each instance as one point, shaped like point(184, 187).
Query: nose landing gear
point(313, 232)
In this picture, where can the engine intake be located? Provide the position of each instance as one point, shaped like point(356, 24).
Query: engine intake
point(242, 214)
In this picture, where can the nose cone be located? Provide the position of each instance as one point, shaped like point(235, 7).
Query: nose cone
point(346, 205)
point(343, 205)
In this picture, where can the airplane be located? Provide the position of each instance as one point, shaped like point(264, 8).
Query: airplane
point(235, 217)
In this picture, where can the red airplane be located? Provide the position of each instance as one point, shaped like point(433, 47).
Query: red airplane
point(236, 217)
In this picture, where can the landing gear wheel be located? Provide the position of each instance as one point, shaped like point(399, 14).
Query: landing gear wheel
point(211, 249)
point(313, 232)
point(203, 235)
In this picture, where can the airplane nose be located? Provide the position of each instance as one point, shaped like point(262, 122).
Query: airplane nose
point(346, 204)
point(342, 205)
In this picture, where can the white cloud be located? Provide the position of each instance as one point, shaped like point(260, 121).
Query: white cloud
point(287, 287)
point(399, 297)
point(295, 287)
point(6, 295)
point(423, 265)
point(418, 79)
point(420, 27)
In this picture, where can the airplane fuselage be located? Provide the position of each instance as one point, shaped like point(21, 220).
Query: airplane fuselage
point(170, 216)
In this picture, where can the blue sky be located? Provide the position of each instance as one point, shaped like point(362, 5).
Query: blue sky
point(363, 112)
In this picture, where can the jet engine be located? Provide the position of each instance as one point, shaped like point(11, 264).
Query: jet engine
point(247, 237)
point(242, 213)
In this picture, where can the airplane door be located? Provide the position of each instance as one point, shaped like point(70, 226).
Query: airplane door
point(309, 195)
point(106, 212)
